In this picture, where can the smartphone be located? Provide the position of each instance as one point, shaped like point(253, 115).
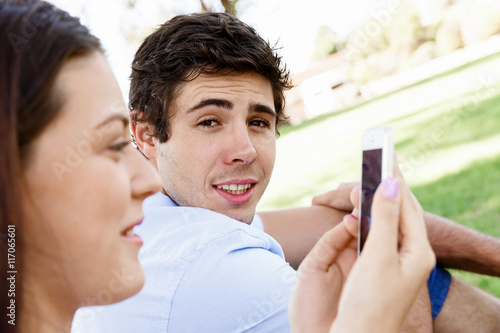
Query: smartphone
point(377, 165)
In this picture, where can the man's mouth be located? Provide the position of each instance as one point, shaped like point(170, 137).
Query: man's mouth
point(235, 189)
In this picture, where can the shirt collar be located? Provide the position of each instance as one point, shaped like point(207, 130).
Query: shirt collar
point(159, 199)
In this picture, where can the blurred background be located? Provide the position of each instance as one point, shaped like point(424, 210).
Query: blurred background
point(428, 68)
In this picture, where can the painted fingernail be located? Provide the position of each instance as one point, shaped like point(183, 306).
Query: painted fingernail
point(390, 187)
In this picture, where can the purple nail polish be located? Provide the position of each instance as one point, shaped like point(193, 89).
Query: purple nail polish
point(390, 187)
point(351, 216)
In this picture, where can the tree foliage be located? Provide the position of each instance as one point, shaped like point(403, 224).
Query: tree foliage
point(327, 42)
point(229, 6)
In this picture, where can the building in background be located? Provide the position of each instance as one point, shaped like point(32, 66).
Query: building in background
point(323, 87)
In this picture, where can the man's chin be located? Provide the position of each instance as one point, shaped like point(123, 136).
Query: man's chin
point(245, 217)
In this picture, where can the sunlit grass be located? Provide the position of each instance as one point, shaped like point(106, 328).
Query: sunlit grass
point(470, 197)
point(440, 127)
point(447, 134)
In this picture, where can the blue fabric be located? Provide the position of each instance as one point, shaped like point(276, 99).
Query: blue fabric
point(208, 273)
point(439, 285)
point(204, 272)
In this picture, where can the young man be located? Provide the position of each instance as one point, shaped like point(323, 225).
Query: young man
point(207, 96)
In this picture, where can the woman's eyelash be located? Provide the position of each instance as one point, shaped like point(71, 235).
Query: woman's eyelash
point(120, 146)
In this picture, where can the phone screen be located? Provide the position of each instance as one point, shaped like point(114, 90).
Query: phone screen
point(370, 179)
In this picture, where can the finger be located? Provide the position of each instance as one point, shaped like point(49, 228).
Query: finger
point(408, 200)
point(348, 185)
point(351, 225)
point(415, 248)
point(383, 237)
point(416, 255)
point(338, 198)
point(324, 253)
point(412, 223)
point(397, 170)
point(354, 197)
point(405, 189)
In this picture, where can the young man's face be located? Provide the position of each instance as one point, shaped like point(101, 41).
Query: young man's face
point(221, 151)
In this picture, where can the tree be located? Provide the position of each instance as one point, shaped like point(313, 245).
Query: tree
point(327, 42)
point(229, 6)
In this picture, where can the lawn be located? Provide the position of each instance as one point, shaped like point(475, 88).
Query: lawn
point(447, 134)
point(470, 197)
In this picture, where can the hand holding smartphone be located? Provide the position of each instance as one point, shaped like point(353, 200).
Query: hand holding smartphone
point(377, 165)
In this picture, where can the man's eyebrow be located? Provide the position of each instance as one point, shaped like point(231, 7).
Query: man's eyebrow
point(255, 107)
point(223, 103)
point(114, 117)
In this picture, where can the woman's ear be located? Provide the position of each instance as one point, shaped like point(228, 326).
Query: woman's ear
point(144, 139)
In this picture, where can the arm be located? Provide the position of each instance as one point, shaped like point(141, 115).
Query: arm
point(466, 308)
point(455, 245)
point(298, 229)
point(386, 279)
point(382, 283)
point(441, 232)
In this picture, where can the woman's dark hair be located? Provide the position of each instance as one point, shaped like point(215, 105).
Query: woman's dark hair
point(36, 39)
point(189, 45)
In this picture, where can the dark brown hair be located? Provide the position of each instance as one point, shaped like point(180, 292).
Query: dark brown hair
point(189, 45)
point(36, 38)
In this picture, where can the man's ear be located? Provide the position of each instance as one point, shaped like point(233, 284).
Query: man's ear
point(143, 135)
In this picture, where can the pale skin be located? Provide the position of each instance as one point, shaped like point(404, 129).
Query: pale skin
point(419, 318)
point(297, 238)
point(223, 133)
point(473, 251)
point(332, 295)
point(79, 247)
point(455, 246)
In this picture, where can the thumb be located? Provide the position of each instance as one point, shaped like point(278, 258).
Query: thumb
point(383, 236)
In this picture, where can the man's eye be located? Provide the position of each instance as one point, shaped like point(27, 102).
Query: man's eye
point(208, 123)
point(259, 123)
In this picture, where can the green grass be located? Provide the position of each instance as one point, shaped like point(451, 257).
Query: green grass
point(447, 135)
point(285, 129)
point(459, 125)
point(470, 197)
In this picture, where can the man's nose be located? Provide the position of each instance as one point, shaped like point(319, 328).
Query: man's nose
point(240, 147)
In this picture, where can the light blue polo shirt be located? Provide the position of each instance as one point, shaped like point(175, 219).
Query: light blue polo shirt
point(205, 272)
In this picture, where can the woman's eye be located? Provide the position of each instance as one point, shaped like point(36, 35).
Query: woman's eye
point(120, 146)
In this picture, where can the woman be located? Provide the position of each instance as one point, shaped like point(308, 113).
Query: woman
point(72, 185)
point(72, 188)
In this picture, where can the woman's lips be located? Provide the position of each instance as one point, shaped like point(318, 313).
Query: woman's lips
point(129, 234)
point(135, 239)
